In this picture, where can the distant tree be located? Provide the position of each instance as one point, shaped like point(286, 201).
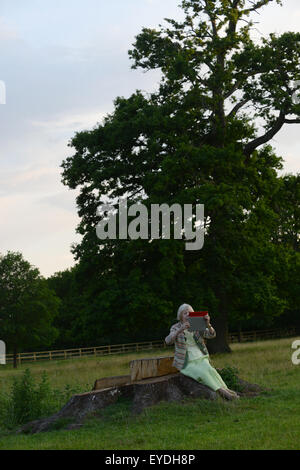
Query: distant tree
point(287, 207)
point(286, 237)
point(27, 305)
point(69, 319)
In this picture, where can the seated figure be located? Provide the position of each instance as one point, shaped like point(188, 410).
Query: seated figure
point(191, 355)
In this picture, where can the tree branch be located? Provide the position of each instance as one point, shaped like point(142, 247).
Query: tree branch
point(236, 108)
point(232, 23)
point(292, 121)
point(251, 146)
point(257, 5)
point(212, 19)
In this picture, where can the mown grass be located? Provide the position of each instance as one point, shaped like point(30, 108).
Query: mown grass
point(269, 421)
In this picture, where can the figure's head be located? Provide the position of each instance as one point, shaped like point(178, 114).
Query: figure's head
point(183, 312)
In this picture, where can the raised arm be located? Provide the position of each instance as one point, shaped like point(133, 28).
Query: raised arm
point(175, 329)
point(209, 332)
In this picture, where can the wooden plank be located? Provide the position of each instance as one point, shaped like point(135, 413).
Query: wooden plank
point(153, 380)
point(107, 382)
point(141, 369)
point(151, 367)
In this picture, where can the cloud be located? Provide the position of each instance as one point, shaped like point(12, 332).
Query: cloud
point(40, 218)
point(7, 31)
point(41, 230)
point(63, 67)
point(63, 200)
point(26, 180)
point(69, 121)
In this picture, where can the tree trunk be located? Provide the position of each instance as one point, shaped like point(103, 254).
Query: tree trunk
point(15, 357)
point(220, 343)
point(219, 267)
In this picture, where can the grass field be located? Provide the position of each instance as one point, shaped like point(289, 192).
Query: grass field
point(269, 421)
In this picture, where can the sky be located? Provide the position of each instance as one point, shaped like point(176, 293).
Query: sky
point(63, 62)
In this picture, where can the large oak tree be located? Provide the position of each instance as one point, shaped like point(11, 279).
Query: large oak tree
point(202, 137)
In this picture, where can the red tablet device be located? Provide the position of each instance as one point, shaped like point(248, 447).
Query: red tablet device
point(196, 320)
point(198, 314)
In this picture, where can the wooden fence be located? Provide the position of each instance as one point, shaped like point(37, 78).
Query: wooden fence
point(243, 336)
point(81, 352)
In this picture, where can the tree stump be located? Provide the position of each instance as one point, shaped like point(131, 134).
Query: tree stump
point(75, 410)
point(170, 388)
point(143, 393)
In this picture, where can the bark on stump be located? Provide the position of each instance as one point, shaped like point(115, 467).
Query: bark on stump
point(143, 393)
point(173, 387)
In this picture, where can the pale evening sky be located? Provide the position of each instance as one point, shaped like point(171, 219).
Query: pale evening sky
point(63, 63)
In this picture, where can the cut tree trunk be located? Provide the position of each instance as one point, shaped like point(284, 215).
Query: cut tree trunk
point(144, 393)
point(75, 410)
point(174, 387)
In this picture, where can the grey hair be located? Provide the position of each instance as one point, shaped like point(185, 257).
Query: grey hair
point(183, 308)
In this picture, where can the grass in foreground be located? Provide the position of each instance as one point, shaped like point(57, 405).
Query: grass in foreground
point(270, 421)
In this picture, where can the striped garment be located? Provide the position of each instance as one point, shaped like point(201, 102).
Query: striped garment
point(180, 345)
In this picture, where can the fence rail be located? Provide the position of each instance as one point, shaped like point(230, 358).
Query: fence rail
point(80, 352)
point(243, 336)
